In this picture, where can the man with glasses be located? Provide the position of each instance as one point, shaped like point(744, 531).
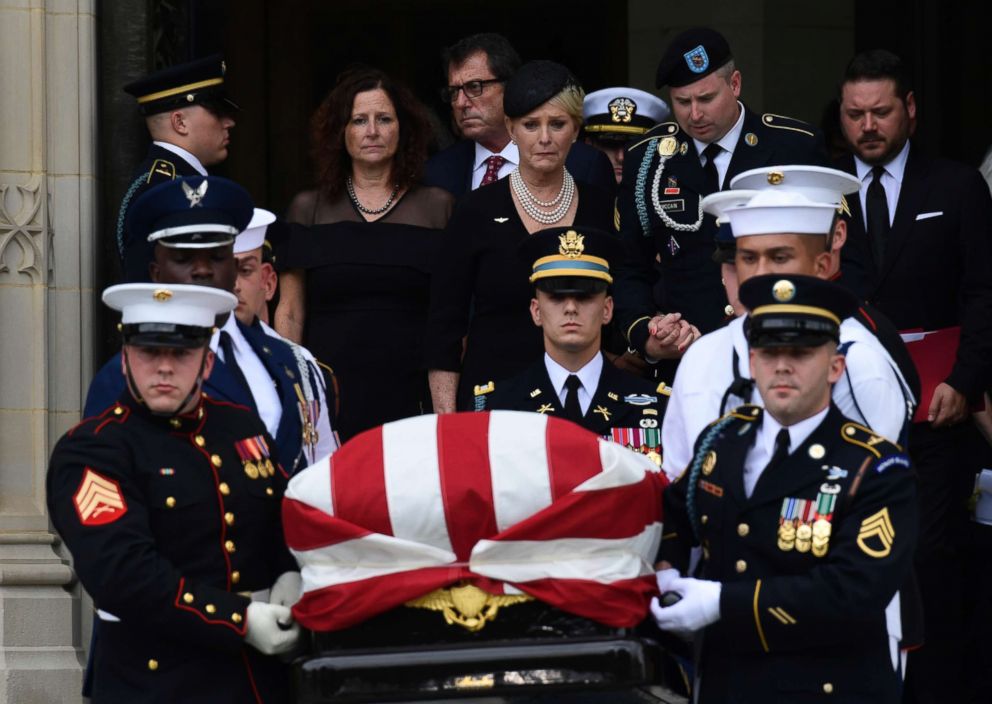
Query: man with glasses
point(477, 68)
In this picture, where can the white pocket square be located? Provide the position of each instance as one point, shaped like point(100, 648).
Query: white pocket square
point(927, 216)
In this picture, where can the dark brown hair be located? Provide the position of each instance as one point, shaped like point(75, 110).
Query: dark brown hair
point(333, 163)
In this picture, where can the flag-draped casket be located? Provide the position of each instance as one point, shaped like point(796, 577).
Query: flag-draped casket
point(515, 504)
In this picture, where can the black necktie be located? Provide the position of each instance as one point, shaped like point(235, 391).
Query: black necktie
point(231, 362)
point(711, 176)
point(781, 450)
point(573, 411)
point(877, 207)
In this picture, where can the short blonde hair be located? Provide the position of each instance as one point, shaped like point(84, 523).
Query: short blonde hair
point(570, 100)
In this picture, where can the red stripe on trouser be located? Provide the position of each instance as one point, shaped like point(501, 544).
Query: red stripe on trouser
point(466, 484)
point(358, 483)
point(307, 528)
point(573, 456)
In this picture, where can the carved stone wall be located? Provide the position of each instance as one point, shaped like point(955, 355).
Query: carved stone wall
point(47, 228)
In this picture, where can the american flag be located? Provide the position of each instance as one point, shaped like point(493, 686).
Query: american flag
point(510, 502)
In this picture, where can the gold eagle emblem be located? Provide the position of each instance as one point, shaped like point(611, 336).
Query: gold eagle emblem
point(570, 245)
point(466, 605)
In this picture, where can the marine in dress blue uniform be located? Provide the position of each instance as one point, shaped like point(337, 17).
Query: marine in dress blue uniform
point(172, 516)
point(204, 215)
point(571, 276)
point(665, 177)
point(805, 536)
point(199, 82)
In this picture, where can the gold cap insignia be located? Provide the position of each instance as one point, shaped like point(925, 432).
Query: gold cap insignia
point(622, 109)
point(667, 146)
point(466, 605)
point(162, 295)
point(775, 177)
point(571, 245)
point(784, 290)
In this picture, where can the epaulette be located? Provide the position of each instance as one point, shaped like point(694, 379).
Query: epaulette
point(861, 436)
point(782, 122)
point(161, 167)
point(748, 412)
point(662, 129)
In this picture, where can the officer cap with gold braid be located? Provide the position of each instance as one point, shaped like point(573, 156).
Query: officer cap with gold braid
point(570, 260)
point(621, 113)
point(199, 82)
point(789, 310)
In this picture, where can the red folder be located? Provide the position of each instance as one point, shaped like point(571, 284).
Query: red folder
point(933, 354)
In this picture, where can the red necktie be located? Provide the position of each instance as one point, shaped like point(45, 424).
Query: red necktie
point(493, 165)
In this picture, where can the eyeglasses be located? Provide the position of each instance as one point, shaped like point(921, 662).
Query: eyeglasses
point(473, 89)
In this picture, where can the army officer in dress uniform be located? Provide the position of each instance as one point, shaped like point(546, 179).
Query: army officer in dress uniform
point(668, 171)
point(571, 304)
point(807, 522)
point(189, 118)
point(170, 505)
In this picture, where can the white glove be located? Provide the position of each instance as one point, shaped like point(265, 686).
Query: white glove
point(699, 607)
point(287, 589)
point(665, 579)
point(265, 633)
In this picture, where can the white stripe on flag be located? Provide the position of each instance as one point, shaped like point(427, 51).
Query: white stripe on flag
point(413, 481)
point(373, 555)
point(312, 486)
point(621, 467)
point(518, 464)
point(590, 559)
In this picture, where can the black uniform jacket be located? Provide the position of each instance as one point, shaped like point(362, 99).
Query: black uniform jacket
point(168, 526)
point(796, 626)
point(622, 400)
point(160, 165)
point(689, 279)
point(451, 168)
point(937, 268)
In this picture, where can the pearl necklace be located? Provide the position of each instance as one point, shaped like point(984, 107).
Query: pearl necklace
point(532, 206)
point(370, 211)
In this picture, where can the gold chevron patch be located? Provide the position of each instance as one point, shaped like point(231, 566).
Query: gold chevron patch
point(876, 535)
point(98, 500)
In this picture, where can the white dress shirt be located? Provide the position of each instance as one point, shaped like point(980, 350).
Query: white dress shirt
point(891, 181)
point(262, 388)
point(588, 375)
point(509, 153)
point(763, 448)
point(728, 142)
point(193, 161)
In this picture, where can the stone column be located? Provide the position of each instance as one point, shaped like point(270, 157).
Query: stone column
point(47, 230)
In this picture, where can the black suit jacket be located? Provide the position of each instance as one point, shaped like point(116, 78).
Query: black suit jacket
point(690, 280)
point(937, 269)
point(792, 620)
point(451, 168)
point(160, 165)
point(622, 400)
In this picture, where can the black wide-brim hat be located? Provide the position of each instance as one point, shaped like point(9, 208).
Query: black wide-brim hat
point(790, 310)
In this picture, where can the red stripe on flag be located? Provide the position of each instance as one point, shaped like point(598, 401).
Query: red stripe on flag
point(620, 512)
point(573, 456)
point(466, 484)
point(307, 528)
point(341, 605)
point(358, 483)
point(621, 604)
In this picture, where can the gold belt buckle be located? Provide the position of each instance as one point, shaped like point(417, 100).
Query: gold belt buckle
point(466, 605)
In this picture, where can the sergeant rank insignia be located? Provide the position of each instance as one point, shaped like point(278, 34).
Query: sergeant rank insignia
point(98, 500)
point(256, 457)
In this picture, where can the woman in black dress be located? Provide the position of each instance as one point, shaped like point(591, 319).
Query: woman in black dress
point(481, 287)
point(356, 284)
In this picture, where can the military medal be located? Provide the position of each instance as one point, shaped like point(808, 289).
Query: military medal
point(804, 531)
point(825, 502)
point(786, 525)
point(254, 454)
point(309, 412)
point(646, 441)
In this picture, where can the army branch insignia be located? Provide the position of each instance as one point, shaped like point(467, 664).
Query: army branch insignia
point(466, 605)
point(876, 535)
point(570, 244)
